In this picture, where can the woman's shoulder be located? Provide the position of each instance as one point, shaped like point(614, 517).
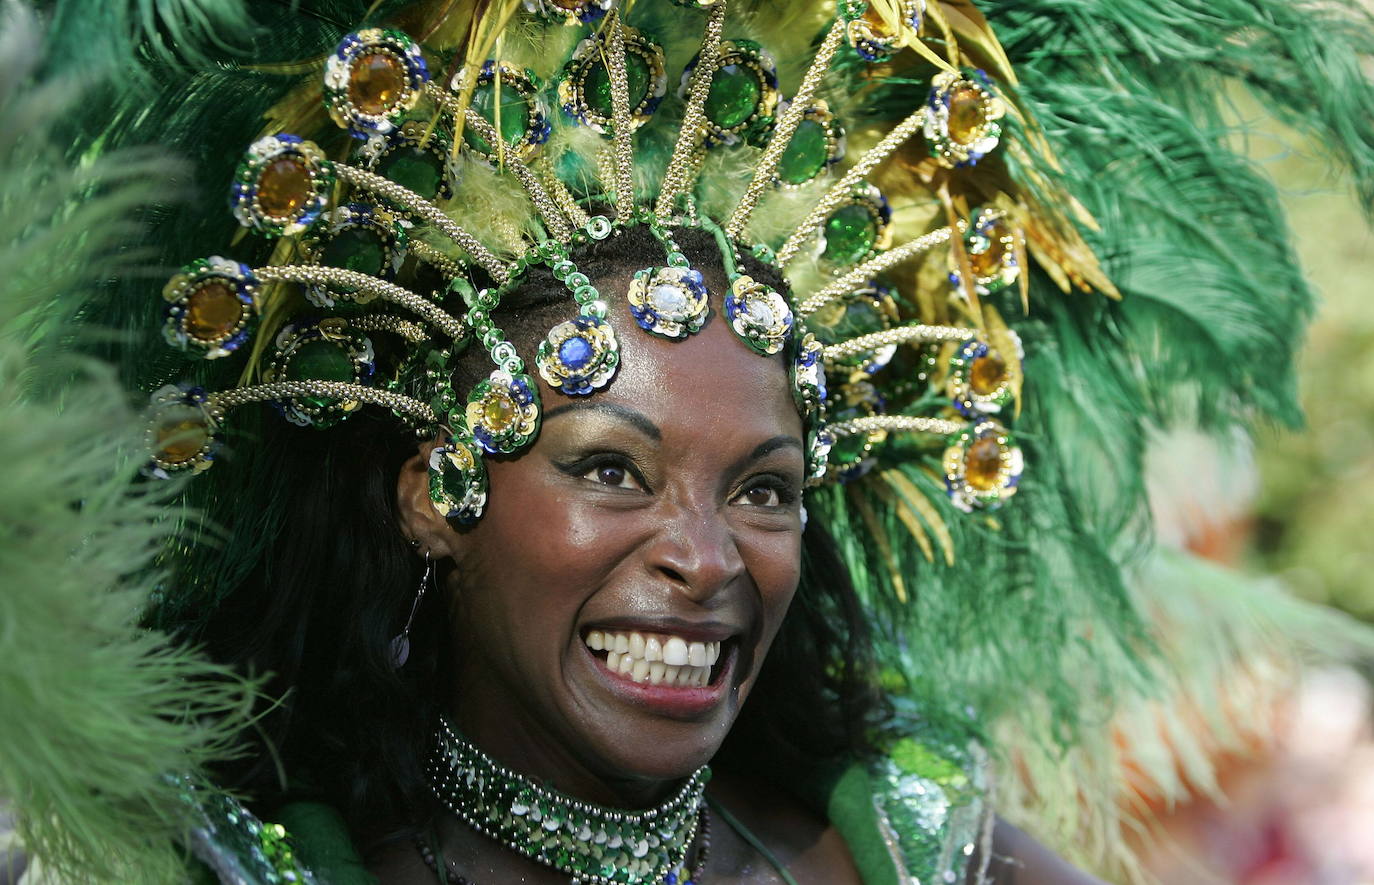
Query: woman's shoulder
point(759, 817)
point(915, 810)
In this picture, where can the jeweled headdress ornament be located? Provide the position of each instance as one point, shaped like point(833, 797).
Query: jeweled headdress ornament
point(390, 263)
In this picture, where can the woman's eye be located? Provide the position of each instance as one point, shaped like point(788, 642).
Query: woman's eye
point(762, 496)
point(612, 475)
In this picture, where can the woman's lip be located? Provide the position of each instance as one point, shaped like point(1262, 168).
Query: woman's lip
point(710, 631)
point(673, 701)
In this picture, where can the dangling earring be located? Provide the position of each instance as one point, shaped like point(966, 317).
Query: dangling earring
point(400, 645)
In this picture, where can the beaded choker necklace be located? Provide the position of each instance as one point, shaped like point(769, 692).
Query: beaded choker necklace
point(592, 844)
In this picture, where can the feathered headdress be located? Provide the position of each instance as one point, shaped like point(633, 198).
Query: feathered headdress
point(1013, 244)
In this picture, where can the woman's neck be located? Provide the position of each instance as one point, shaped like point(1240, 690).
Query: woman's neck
point(525, 746)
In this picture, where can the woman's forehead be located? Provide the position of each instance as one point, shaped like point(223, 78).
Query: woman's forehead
point(709, 382)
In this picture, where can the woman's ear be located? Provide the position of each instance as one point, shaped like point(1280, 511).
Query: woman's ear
point(419, 519)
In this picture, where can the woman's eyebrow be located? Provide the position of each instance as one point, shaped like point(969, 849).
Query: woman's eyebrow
point(765, 448)
point(623, 413)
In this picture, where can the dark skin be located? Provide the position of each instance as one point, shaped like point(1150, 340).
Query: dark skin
point(670, 501)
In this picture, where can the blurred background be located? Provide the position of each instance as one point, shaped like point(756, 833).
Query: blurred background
point(1297, 507)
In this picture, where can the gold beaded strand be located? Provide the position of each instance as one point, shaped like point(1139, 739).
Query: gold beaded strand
point(837, 194)
point(682, 167)
point(872, 267)
point(782, 133)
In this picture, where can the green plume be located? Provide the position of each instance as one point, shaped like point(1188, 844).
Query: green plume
point(98, 710)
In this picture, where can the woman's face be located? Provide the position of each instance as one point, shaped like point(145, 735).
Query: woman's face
point(659, 516)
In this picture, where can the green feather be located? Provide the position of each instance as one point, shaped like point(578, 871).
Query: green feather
point(97, 710)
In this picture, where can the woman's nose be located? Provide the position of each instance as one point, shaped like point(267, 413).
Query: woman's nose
point(696, 549)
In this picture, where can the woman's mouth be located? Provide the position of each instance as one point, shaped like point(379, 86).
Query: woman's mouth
point(658, 658)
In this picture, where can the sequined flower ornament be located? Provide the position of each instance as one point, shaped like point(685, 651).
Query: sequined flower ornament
point(281, 185)
point(372, 80)
point(356, 237)
point(758, 315)
point(181, 433)
point(961, 118)
point(211, 305)
point(668, 301)
point(327, 350)
point(458, 478)
point(579, 355)
point(981, 380)
point(503, 412)
point(992, 249)
point(982, 467)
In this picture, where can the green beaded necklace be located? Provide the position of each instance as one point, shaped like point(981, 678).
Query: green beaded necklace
point(592, 844)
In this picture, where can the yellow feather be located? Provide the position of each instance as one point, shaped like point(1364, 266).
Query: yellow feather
point(918, 501)
point(879, 535)
point(908, 518)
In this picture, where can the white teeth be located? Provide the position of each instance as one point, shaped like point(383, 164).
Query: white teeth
point(655, 658)
point(675, 652)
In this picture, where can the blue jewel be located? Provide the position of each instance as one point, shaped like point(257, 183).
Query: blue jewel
point(575, 352)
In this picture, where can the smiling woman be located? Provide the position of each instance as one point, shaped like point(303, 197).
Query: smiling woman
point(606, 655)
point(711, 429)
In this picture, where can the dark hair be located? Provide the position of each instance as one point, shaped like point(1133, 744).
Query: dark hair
point(323, 602)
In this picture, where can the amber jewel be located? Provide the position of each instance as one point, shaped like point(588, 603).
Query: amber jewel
point(284, 186)
point(967, 114)
point(983, 464)
point(375, 81)
point(877, 23)
point(987, 373)
point(181, 436)
point(213, 311)
point(498, 412)
point(989, 261)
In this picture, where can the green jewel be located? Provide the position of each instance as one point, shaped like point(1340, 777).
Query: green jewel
point(358, 248)
point(413, 168)
point(806, 155)
point(850, 232)
point(515, 115)
point(320, 360)
point(734, 96)
point(597, 88)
